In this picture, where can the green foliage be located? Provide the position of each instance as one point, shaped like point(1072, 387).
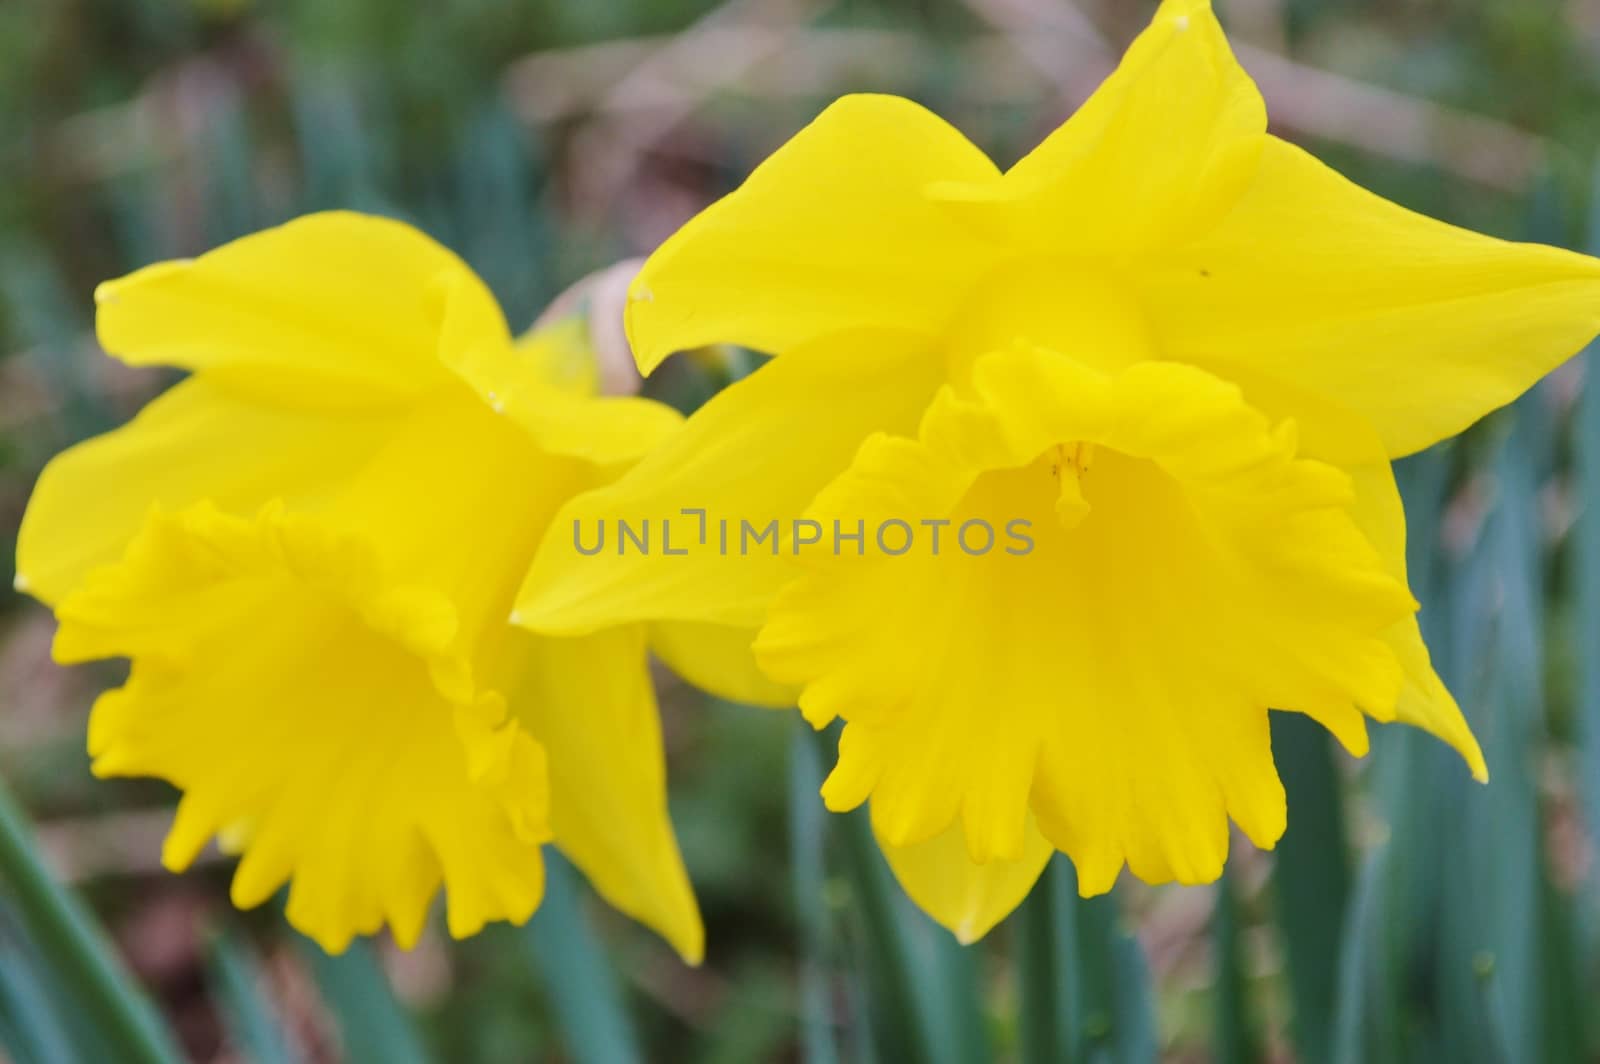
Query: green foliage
point(1409, 914)
point(247, 1012)
point(76, 991)
point(371, 1024)
point(577, 977)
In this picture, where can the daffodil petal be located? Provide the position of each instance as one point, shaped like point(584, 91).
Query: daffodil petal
point(965, 897)
point(1155, 156)
point(1115, 679)
point(609, 431)
point(589, 702)
point(1424, 700)
point(562, 355)
point(194, 442)
point(294, 697)
point(756, 454)
point(526, 384)
point(1330, 432)
point(329, 309)
point(1417, 326)
point(717, 658)
point(832, 232)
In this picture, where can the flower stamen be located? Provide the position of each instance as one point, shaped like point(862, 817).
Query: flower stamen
point(1068, 463)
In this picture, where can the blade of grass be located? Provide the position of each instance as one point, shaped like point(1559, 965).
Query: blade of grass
point(1514, 862)
point(806, 844)
point(1385, 963)
point(230, 199)
point(1564, 1016)
point(951, 987)
point(1134, 1035)
point(236, 983)
point(1235, 1035)
point(861, 1040)
point(909, 1021)
point(963, 998)
point(904, 1030)
point(1070, 977)
point(1586, 562)
point(373, 1025)
point(499, 225)
point(1361, 969)
point(1456, 1025)
point(577, 975)
point(36, 1025)
point(1485, 970)
point(340, 138)
point(1103, 983)
point(47, 322)
point(1310, 877)
point(1034, 940)
point(90, 971)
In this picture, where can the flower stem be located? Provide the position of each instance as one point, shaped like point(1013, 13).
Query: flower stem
point(807, 838)
point(1035, 944)
point(902, 1023)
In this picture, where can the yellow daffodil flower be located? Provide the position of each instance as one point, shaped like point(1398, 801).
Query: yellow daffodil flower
point(1166, 359)
point(309, 549)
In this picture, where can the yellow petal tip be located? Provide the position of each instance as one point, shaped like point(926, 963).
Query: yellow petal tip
point(1467, 746)
point(405, 939)
point(693, 952)
point(173, 861)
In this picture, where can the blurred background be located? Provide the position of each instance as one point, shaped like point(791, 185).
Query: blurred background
point(1408, 915)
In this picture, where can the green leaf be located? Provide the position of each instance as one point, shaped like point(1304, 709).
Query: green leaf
point(90, 972)
point(902, 1021)
point(373, 1025)
point(1586, 589)
point(962, 996)
point(1136, 1040)
point(1235, 1033)
point(1033, 930)
point(577, 975)
point(1477, 977)
point(908, 1012)
point(1310, 877)
point(37, 1021)
point(1363, 1028)
point(808, 873)
point(1502, 841)
point(1386, 960)
point(237, 985)
point(1106, 1001)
